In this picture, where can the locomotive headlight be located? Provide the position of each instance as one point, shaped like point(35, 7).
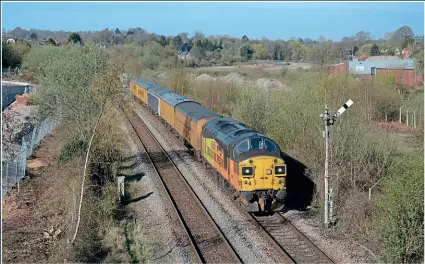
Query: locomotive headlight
point(269, 172)
point(280, 170)
point(247, 171)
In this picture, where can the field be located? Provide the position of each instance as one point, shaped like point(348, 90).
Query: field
point(267, 65)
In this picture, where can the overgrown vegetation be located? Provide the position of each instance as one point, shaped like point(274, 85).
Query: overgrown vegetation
point(361, 153)
point(82, 86)
point(399, 226)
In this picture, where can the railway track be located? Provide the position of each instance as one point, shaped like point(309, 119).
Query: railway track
point(299, 248)
point(207, 240)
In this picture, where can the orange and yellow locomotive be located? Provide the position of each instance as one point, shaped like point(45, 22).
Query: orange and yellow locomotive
point(248, 160)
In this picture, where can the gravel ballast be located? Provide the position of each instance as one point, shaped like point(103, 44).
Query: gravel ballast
point(166, 238)
point(237, 227)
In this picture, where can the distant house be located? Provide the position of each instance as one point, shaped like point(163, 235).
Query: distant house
point(406, 53)
point(397, 52)
point(363, 57)
point(57, 41)
point(101, 45)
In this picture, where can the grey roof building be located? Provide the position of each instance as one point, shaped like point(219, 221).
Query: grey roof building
point(370, 66)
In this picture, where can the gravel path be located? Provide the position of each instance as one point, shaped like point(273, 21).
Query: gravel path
point(341, 250)
point(236, 225)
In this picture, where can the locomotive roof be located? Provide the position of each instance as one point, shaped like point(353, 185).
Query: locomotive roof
point(228, 132)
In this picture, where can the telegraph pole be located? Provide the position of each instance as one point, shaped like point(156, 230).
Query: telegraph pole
point(329, 120)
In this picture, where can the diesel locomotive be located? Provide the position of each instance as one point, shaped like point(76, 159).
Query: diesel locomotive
point(248, 161)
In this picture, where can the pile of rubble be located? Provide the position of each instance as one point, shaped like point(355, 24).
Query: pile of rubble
point(18, 120)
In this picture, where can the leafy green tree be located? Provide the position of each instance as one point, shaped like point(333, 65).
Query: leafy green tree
point(401, 214)
point(9, 56)
point(74, 38)
point(190, 42)
point(374, 51)
point(208, 45)
point(51, 41)
point(199, 43)
point(354, 50)
point(162, 41)
point(33, 36)
point(408, 41)
point(220, 44)
point(177, 42)
point(13, 53)
point(419, 57)
point(66, 75)
point(260, 53)
point(246, 52)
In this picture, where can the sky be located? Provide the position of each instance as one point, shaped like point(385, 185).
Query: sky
point(274, 20)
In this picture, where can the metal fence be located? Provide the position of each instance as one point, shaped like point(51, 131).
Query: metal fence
point(10, 71)
point(13, 169)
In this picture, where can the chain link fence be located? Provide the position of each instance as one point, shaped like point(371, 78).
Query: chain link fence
point(13, 169)
point(10, 71)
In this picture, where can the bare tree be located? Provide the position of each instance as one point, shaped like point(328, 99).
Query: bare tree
point(401, 34)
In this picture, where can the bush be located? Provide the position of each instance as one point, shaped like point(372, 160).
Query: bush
point(14, 53)
point(73, 148)
point(150, 61)
point(399, 226)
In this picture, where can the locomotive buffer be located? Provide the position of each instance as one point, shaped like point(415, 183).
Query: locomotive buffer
point(329, 120)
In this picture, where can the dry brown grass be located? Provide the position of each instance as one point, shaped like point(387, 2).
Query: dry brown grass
point(42, 202)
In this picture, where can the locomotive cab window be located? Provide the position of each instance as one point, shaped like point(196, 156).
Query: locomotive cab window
point(243, 146)
point(257, 143)
point(269, 146)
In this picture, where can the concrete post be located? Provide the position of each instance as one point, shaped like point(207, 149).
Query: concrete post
point(32, 142)
point(407, 116)
point(400, 114)
point(121, 187)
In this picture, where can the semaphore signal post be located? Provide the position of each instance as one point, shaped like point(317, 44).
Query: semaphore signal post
point(329, 120)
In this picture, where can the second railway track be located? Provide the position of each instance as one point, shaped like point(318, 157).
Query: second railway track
point(208, 241)
point(299, 248)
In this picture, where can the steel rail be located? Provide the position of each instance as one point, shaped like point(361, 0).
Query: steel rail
point(212, 223)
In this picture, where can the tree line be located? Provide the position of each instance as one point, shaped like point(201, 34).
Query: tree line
point(226, 50)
